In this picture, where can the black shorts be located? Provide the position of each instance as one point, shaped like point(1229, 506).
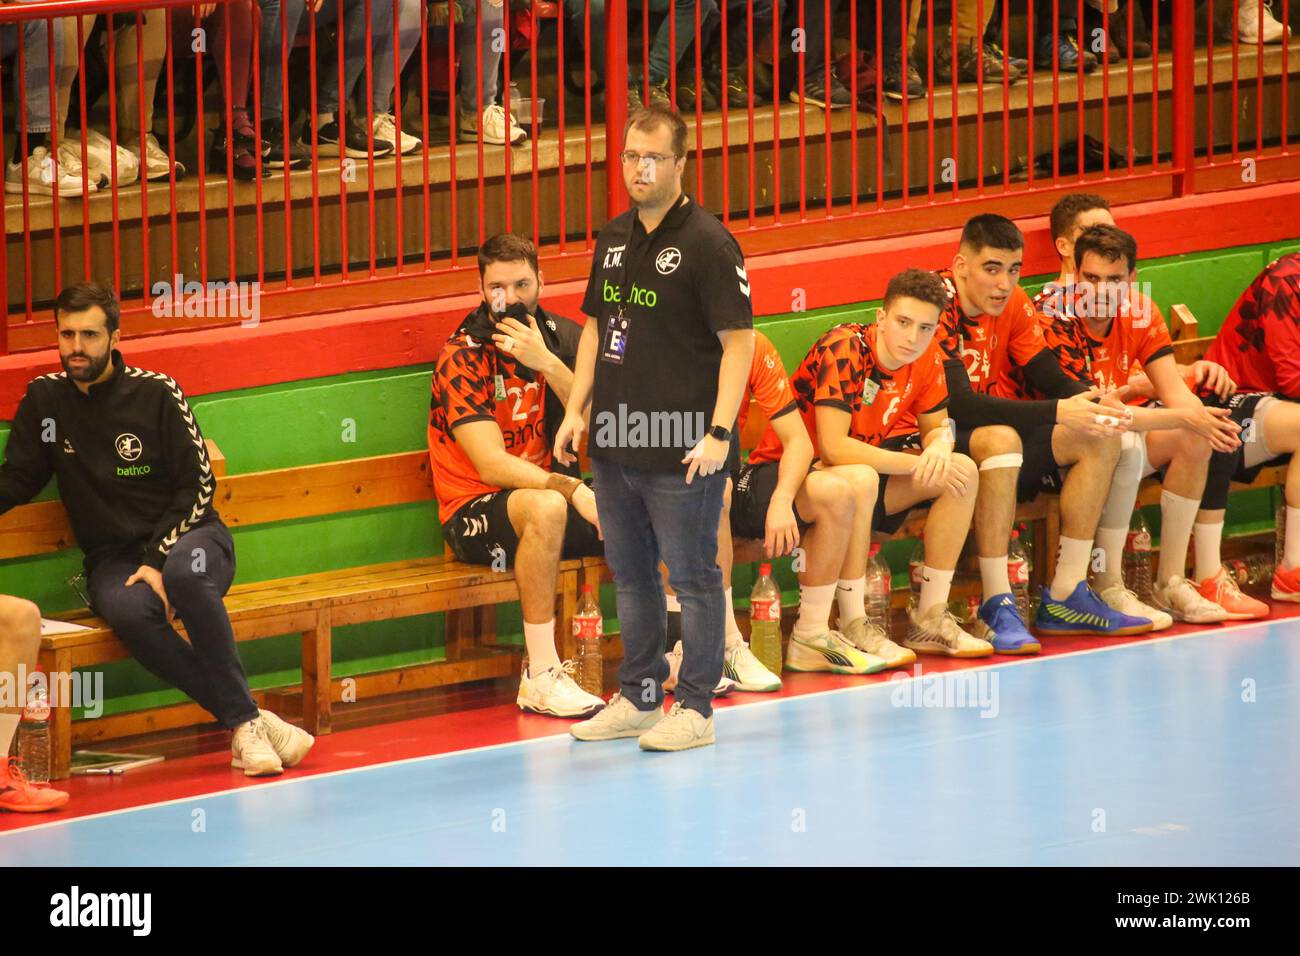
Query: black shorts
point(480, 532)
point(751, 493)
point(1039, 471)
point(1229, 466)
point(881, 521)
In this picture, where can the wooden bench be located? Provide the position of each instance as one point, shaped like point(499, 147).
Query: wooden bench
point(310, 605)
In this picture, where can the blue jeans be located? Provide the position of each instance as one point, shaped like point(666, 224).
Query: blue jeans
point(647, 516)
point(408, 37)
point(737, 39)
point(327, 70)
point(36, 64)
point(467, 31)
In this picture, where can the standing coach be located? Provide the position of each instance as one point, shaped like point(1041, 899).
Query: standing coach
point(662, 366)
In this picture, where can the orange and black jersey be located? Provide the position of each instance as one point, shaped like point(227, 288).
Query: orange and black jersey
point(842, 371)
point(768, 384)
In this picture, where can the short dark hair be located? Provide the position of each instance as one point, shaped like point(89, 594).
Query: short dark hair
point(81, 296)
point(1069, 208)
point(649, 118)
point(506, 247)
point(991, 231)
point(1110, 242)
point(920, 284)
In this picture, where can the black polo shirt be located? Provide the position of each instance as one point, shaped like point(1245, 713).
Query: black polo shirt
point(657, 363)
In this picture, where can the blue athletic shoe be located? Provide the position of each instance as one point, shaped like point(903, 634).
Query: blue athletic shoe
point(1000, 624)
point(1083, 612)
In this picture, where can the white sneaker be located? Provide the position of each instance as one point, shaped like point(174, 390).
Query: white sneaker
point(385, 128)
point(157, 164)
point(1248, 23)
point(251, 750)
point(492, 129)
point(682, 729)
point(620, 718)
point(747, 671)
point(289, 742)
point(40, 177)
point(1181, 599)
point(871, 639)
point(555, 693)
point(1119, 598)
point(829, 652)
point(937, 632)
point(99, 156)
point(724, 686)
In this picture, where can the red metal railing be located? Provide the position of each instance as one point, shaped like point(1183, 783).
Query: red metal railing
point(367, 227)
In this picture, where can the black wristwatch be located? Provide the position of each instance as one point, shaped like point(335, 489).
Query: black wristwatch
point(720, 433)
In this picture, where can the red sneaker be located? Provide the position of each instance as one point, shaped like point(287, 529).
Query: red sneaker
point(19, 796)
point(1221, 588)
point(1286, 585)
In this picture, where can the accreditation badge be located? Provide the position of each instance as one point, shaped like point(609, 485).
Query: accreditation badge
point(613, 345)
point(870, 389)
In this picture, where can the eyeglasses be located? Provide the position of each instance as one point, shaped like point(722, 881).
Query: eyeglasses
point(630, 158)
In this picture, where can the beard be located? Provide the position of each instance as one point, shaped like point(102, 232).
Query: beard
point(93, 370)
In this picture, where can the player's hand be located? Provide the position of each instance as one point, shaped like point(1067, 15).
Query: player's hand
point(933, 464)
point(1215, 425)
point(152, 577)
point(1213, 377)
point(569, 436)
point(524, 342)
point(1138, 386)
point(584, 500)
point(782, 532)
point(708, 456)
point(1084, 414)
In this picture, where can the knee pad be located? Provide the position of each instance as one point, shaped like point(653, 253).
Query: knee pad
point(1012, 459)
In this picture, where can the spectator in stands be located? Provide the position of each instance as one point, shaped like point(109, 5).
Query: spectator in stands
point(498, 381)
point(1105, 332)
point(480, 44)
point(20, 640)
point(280, 150)
point(978, 58)
point(385, 113)
point(816, 90)
point(1057, 27)
point(35, 169)
point(237, 43)
point(1256, 22)
point(1259, 347)
point(133, 473)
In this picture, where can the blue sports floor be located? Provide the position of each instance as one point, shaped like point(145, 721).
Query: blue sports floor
point(1174, 751)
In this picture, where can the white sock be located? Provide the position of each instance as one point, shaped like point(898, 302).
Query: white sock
point(675, 607)
point(1111, 542)
point(851, 596)
point(729, 620)
point(1291, 546)
point(1071, 566)
point(815, 610)
point(8, 727)
point(1177, 515)
point(1207, 542)
point(540, 640)
point(935, 585)
point(993, 576)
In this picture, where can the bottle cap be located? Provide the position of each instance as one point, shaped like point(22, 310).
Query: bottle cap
point(875, 550)
point(1015, 533)
point(586, 589)
point(765, 569)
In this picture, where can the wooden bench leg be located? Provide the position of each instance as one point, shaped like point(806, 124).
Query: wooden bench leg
point(317, 659)
point(55, 663)
point(568, 606)
point(1053, 536)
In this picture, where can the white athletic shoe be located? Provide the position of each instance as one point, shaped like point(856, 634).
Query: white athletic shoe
point(937, 632)
point(724, 686)
point(682, 729)
point(252, 752)
point(1248, 23)
point(492, 128)
point(1180, 598)
point(99, 157)
point(747, 671)
point(620, 718)
point(157, 164)
point(1119, 598)
point(871, 639)
point(555, 693)
point(385, 127)
point(40, 176)
point(829, 651)
point(289, 742)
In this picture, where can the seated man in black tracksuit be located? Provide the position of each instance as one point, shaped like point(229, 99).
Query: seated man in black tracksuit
point(134, 475)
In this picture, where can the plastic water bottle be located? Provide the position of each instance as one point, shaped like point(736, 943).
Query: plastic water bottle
point(879, 585)
point(1019, 567)
point(765, 620)
point(588, 626)
point(34, 735)
point(1137, 558)
point(914, 571)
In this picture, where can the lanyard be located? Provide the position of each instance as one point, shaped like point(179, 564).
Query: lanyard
point(628, 275)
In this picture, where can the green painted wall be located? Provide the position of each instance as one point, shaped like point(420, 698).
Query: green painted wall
point(373, 413)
